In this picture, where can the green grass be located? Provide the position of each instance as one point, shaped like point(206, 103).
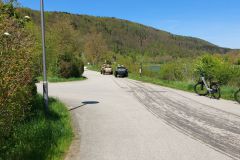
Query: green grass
point(59, 79)
point(227, 92)
point(41, 137)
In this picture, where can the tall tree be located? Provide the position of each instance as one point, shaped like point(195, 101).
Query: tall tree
point(95, 47)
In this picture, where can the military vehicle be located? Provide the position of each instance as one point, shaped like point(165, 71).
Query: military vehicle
point(106, 69)
point(121, 71)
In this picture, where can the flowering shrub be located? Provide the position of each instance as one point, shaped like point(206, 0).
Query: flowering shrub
point(17, 88)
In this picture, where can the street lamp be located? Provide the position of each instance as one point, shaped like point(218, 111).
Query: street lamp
point(45, 83)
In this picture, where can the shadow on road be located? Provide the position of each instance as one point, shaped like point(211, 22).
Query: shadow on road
point(90, 102)
point(83, 104)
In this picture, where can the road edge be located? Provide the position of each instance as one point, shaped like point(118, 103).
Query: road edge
point(75, 145)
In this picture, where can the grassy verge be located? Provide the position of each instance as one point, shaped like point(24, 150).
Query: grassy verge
point(227, 92)
point(41, 138)
point(58, 79)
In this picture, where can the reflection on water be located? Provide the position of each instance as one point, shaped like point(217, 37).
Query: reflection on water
point(154, 68)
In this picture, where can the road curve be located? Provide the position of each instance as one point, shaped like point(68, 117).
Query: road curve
point(123, 119)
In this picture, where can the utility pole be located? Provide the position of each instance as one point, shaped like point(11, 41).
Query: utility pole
point(45, 83)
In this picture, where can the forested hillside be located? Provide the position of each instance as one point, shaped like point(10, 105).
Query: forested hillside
point(99, 38)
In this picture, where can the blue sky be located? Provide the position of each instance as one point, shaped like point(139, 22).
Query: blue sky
point(217, 21)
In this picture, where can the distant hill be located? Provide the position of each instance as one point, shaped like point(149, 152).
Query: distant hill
point(124, 37)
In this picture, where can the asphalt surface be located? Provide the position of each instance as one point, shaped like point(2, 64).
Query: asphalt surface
point(123, 119)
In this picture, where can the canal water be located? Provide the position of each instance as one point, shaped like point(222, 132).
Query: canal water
point(153, 68)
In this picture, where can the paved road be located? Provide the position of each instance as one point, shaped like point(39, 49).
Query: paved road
point(122, 119)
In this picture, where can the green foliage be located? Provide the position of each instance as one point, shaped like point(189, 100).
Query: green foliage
point(238, 62)
point(95, 48)
point(172, 71)
point(183, 73)
point(39, 137)
point(96, 37)
point(235, 80)
point(61, 38)
point(70, 66)
point(178, 70)
point(17, 88)
point(214, 67)
point(25, 133)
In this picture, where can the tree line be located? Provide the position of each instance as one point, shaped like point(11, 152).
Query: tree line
point(96, 39)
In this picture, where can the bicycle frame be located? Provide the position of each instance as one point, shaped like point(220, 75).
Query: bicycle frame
point(206, 85)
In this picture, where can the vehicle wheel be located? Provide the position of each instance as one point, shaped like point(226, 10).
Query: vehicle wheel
point(237, 96)
point(216, 92)
point(200, 89)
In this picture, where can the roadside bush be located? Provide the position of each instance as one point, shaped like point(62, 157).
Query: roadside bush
point(172, 71)
point(70, 66)
point(148, 73)
point(235, 80)
point(17, 88)
point(214, 67)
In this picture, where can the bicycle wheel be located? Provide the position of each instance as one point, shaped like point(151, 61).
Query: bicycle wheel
point(216, 92)
point(237, 96)
point(200, 89)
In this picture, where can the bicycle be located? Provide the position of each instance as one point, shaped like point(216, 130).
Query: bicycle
point(237, 95)
point(204, 88)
